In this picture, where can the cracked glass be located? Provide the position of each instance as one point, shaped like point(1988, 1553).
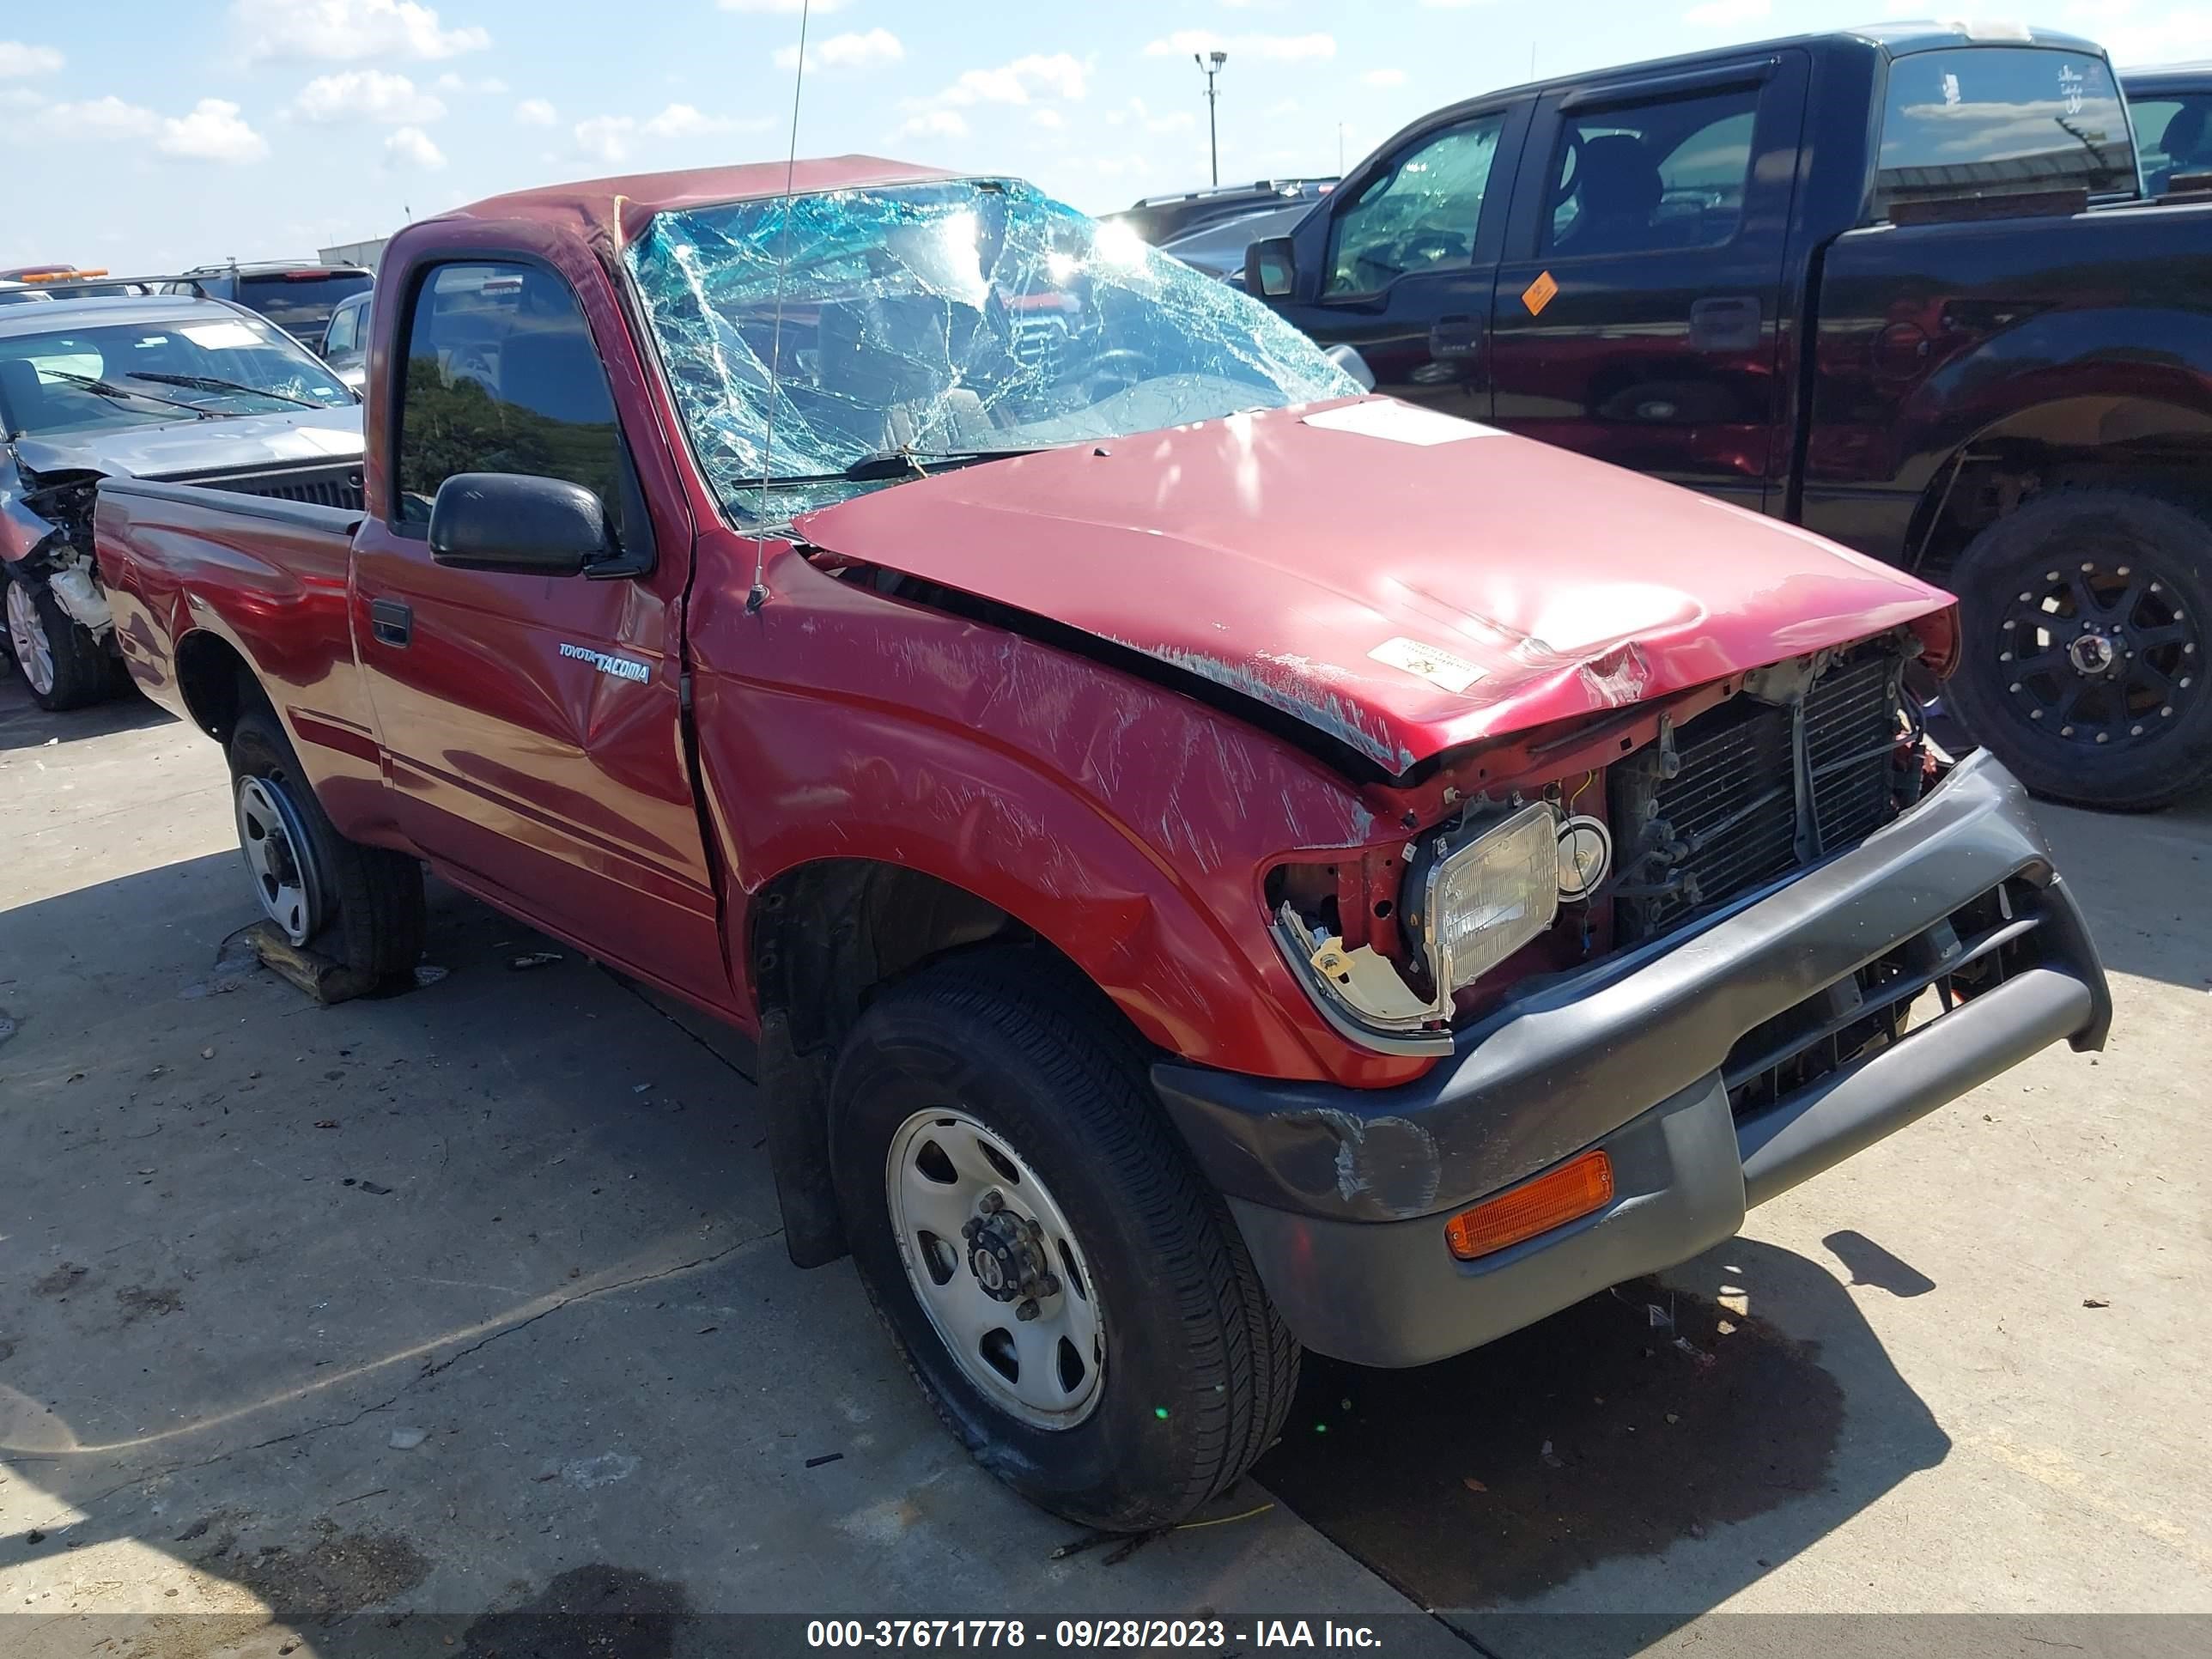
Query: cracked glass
point(941, 321)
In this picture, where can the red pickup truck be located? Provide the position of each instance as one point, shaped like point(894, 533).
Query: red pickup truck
point(1215, 861)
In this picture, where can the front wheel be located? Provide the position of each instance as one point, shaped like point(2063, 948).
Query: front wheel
point(2083, 621)
point(361, 906)
point(63, 665)
point(1071, 1296)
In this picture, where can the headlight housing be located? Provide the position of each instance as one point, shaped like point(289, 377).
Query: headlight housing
point(1472, 897)
point(1483, 898)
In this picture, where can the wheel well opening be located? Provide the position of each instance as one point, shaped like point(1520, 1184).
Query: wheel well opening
point(824, 940)
point(214, 681)
point(2076, 443)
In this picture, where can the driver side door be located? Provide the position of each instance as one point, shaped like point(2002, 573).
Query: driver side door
point(1401, 265)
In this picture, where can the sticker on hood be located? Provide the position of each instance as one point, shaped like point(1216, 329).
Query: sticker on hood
point(1438, 667)
point(1400, 423)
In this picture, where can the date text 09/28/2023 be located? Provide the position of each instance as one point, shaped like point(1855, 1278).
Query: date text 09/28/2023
point(1082, 1634)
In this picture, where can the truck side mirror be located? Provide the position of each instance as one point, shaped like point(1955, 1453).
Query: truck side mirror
point(511, 521)
point(1271, 269)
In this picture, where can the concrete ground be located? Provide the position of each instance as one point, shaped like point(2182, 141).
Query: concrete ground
point(470, 1303)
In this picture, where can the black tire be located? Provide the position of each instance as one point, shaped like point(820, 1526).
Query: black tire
point(2053, 570)
point(80, 662)
point(373, 913)
point(1198, 1369)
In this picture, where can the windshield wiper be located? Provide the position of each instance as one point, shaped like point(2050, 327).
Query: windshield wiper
point(208, 383)
point(884, 465)
point(102, 389)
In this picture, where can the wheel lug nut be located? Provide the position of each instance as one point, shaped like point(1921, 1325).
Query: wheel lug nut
point(1026, 1308)
point(2103, 737)
point(2135, 731)
point(2035, 714)
point(990, 1203)
point(1048, 1285)
point(2065, 731)
point(2087, 569)
point(2051, 575)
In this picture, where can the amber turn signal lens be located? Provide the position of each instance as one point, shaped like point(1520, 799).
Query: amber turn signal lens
point(1551, 1200)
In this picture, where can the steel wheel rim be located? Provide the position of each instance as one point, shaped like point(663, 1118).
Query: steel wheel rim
point(27, 632)
point(2099, 654)
point(944, 1170)
point(279, 858)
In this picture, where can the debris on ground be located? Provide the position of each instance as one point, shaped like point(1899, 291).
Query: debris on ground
point(406, 1439)
point(826, 1457)
point(2094, 1302)
point(601, 1471)
point(530, 959)
point(327, 1123)
point(1551, 1458)
point(427, 974)
point(1472, 1484)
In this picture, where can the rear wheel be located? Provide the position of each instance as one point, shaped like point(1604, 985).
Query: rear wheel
point(361, 906)
point(2084, 619)
point(1071, 1295)
point(61, 663)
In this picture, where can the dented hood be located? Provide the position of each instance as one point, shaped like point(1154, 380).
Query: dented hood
point(1402, 581)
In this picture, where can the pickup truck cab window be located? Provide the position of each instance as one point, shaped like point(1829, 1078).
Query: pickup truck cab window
point(1668, 174)
point(1421, 213)
point(501, 376)
point(2173, 135)
point(2001, 121)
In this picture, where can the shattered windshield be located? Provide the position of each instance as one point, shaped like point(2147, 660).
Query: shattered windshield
point(940, 321)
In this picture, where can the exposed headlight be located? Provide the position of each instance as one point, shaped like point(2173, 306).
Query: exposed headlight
point(1472, 898)
point(1480, 901)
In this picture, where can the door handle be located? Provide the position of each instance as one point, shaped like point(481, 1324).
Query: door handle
point(1729, 323)
point(1454, 337)
point(390, 622)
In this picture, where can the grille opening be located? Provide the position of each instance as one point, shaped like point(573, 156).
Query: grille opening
point(1909, 986)
point(1757, 789)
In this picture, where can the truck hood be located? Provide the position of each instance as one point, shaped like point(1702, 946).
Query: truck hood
point(1402, 581)
point(195, 446)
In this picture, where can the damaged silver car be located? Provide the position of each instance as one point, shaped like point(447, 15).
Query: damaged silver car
point(169, 387)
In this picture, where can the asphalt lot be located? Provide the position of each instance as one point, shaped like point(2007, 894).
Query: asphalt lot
point(469, 1302)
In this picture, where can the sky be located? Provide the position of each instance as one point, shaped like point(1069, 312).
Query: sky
point(150, 135)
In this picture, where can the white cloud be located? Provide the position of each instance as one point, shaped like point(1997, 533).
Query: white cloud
point(18, 58)
point(1048, 117)
point(1726, 14)
point(683, 121)
point(492, 87)
point(365, 96)
point(607, 137)
point(2136, 34)
point(934, 124)
point(790, 7)
point(846, 51)
point(347, 31)
point(1058, 76)
point(534, 113)
point(1277, 48)
point(212, 132)
point(1384, 77)
point(412, 145)
point(20, 98)
point(101, 118)
point(1137, 112)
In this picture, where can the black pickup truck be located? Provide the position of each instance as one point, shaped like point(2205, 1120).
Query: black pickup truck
point(1898, 285)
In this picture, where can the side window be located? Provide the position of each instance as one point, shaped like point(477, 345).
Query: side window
point(1419, 216)
point(344, 325)
point(2173, 135)
point(1639, 178)
point(501, 376)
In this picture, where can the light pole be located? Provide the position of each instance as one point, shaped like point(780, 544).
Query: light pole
point(1209, 63)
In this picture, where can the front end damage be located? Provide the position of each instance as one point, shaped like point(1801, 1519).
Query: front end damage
point(1542, 853)
point(46, 540)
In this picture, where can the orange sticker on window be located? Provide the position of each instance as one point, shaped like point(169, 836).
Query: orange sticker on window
point(1538, 294)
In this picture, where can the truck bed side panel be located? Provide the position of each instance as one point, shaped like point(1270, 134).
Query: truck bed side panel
point(1930, 334)
point(186, 566)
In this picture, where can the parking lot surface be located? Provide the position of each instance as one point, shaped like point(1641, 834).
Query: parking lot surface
point(470, 1301)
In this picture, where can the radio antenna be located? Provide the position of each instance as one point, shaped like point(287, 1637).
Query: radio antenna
point(758, 597)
